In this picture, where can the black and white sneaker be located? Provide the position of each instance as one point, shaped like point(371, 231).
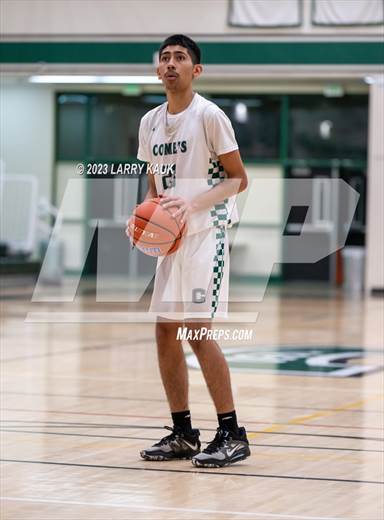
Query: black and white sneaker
point(178, 445)
point(226, 448)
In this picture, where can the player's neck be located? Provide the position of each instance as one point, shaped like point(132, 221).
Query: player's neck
point(179, 101)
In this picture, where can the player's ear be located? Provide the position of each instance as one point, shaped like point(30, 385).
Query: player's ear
point(158, 72)
point(197, 70)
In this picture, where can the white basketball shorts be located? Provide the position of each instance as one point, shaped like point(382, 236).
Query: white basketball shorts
point(193, 282)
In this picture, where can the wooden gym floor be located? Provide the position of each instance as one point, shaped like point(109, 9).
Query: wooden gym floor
point(81, 399)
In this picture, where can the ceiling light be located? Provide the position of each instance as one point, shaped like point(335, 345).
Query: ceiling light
point(76, 79)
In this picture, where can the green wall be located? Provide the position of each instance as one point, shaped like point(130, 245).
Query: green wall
point(236, 53)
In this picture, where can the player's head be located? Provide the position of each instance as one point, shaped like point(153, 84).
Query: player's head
point(179, 62)
point(183, 41)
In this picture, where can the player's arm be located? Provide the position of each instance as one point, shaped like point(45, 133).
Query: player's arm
point(236, 181)
point(152, 191)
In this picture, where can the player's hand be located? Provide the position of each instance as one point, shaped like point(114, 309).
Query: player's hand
point(127, 231)
point(127, 227)
point(184, 208)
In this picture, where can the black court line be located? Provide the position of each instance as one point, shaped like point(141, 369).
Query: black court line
point(146, 399)
point(8, 297)
point(226, 473)
point(203, 442)
point(249, 422)
point(78, 350)
point(67, 424)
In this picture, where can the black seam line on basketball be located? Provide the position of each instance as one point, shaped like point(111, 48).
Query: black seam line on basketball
point(154, 244)
point(71, 351)
point(226, 473)
point(66, 424)
point(165, 209)
point(178, 237)
point(155, 224)
point(158, 225)
point(120, 398)
point(169, 212)
point(203, 442)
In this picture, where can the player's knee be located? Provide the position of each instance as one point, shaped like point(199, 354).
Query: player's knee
point(197, 345)
point(166, 333)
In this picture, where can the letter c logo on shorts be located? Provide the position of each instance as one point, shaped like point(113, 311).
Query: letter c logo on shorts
point(198, 295)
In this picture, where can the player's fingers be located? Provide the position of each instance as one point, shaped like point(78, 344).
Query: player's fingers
point(168, 198)
point(179, 212)
point(172, 204)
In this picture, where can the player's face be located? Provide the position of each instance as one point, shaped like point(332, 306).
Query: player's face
point(176, 69)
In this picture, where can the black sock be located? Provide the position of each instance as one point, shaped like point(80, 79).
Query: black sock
point(182, 419)
point(228, 421)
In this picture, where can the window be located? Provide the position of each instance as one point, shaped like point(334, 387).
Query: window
point(256, 121)
point(327, 128)
point(100, 126)
point(71, 129)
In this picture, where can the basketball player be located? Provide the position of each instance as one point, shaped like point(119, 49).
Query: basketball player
point(191, 285)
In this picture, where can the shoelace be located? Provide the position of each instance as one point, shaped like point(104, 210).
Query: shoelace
point(175, 432)
point(220, 437)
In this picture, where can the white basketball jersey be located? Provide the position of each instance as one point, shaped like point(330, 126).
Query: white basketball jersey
point(183, 150)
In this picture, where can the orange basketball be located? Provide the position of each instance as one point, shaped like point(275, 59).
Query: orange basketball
point(153, 230)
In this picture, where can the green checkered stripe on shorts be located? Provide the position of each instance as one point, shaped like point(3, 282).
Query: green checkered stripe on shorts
point(218, 269)
point(219, 212)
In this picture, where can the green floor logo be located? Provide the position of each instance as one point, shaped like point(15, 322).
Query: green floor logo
point(305, 361)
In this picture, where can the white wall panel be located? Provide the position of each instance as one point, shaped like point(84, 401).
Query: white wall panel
point(139, 18)
point(75, 207)
point(72, 236)
point(27, 131)
point(375, 201)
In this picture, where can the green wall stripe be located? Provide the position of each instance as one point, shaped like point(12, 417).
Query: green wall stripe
point(76, 52)
point(237, 53)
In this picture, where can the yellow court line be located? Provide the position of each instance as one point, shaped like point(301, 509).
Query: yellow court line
point(305, 418)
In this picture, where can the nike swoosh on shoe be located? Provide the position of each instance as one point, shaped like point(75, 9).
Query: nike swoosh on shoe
point(192, 446)
point(231, 451)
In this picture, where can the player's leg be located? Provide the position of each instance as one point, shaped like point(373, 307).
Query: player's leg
point(214, 367)
point(206, 286)
point(209, 268)
point(230, 443)
point(173, 368)
point(166, 301)
point(183, 442)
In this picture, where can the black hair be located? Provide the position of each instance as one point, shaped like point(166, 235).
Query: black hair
point(184, 41)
